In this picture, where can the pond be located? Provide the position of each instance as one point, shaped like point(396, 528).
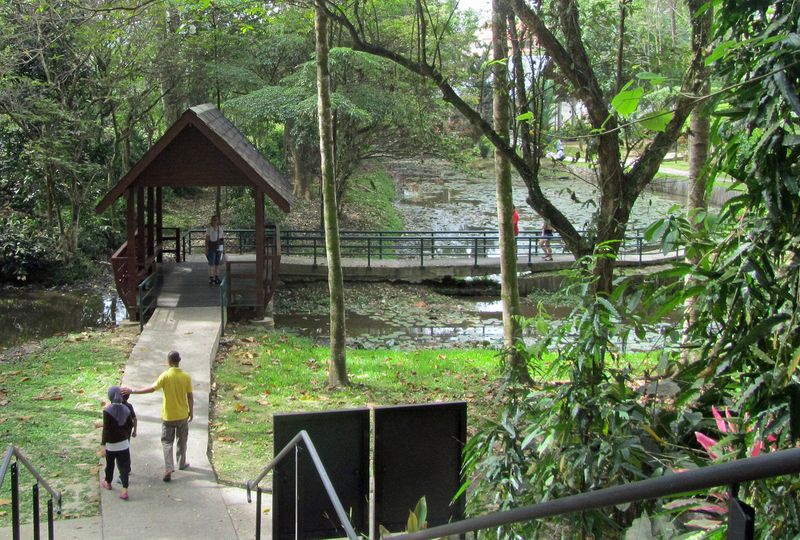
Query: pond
point(30, 314)
point(380, 316)
point(432, 195)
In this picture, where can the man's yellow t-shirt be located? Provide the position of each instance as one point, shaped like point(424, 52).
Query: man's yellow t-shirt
point(176, 384)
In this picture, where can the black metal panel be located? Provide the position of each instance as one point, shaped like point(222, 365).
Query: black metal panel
point(741, 520)
point(418, 453)
point(342, 442)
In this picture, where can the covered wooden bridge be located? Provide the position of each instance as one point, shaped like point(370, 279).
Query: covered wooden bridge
point(202, 149)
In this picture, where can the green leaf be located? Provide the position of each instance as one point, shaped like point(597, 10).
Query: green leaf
point(654, 78)
point(421, 512)
point(525, 117)
point(412, 525)
point(657, 121)
point(627, 101)
point(720, 51)
point(762, 329)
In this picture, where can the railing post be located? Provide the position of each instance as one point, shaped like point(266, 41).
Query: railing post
point(475, 252)
point(35, 497)
point(315, 251)
point(258, 513)
point(380, 245)
point(50, 532)
point(298, 494)
point(14, 501)
point(530, 249)
point(369, 252)
point(639, 245)
point(421, 252)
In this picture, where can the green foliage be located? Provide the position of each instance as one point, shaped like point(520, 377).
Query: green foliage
point(369, 201)
point(592, 432)
point(417, 520)
point(27, 253)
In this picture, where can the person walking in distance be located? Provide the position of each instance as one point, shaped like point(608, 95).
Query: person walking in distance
point(515, 220)
point(177, 410)
point(544, 243)
point(215, 237)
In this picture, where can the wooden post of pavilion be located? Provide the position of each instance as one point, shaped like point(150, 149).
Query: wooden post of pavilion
point(151, 244)
point(260, 307)
point(160, 226)
point(131, 254)
point(141, 247)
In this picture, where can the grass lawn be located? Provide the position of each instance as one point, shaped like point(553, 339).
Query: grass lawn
point(257, 375)
point(50, 408)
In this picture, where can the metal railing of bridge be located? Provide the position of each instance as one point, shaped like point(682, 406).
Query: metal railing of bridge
point(424, 246)
point(5, 466)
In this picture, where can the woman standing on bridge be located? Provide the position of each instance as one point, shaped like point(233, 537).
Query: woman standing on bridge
point(214, 249)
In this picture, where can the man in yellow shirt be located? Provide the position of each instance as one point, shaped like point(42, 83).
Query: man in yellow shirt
point(177, 410)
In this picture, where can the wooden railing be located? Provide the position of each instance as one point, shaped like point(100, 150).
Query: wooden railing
point(128, 284)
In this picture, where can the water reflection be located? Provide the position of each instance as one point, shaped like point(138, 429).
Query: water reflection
point(480, 324)
point(34, 314)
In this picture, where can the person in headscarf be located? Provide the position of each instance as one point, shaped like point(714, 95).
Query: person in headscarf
point(118, 421)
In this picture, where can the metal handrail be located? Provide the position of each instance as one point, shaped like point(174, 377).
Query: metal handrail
point(13, 451)
point(16, 452)
point(473, 244)
point(323, 476)
point(778, 463)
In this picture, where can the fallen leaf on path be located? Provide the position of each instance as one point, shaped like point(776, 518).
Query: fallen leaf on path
point(239, 408)
point(227, 439)
point(4, 502)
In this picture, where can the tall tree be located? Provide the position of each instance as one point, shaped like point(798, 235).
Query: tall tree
point(512, 331)
point(337, 367)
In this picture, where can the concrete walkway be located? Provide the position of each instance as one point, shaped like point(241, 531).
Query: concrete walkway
point(192, 505)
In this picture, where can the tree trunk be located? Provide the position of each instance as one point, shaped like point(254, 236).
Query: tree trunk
point(512, 331)
point(337, 368)
point(172, 102)
point(699, 135)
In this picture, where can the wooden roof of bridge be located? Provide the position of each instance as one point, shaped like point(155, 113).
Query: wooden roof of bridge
point(203, 148)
